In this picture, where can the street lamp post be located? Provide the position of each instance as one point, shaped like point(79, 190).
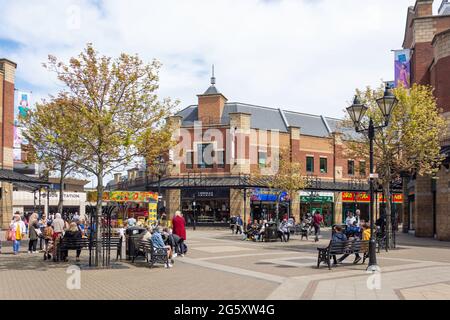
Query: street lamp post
point(357, 111)
point(162, 166)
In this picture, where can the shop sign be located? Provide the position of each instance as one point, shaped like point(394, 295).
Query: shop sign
point(317, 199)
point(268, 195)
point(124, 196)
point(396, 198)
point(205, 193)
point(355, 197)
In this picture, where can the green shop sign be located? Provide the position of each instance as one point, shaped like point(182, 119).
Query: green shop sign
point(317, 199)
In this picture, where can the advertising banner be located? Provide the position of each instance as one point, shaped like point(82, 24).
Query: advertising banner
point(23, 105)
point(403, 68)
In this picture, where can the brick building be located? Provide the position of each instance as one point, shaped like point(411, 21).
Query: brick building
point(243, 141)
point(427, 206)
point(7, 174)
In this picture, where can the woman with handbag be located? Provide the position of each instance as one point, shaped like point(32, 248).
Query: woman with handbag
point(17, 231)
point(33, 232)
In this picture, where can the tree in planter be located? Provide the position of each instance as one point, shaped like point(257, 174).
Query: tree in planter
point(115, 106)
point(50, 133)
point(411, 142)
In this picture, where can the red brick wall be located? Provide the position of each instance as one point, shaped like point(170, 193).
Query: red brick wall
point(210, 108)
point(440, 79)
point(420, 63)
point(8, 114)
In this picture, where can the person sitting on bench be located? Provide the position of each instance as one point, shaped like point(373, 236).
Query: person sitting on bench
point(338, 236)
point(353, 233)
point(158, 242)
point(72, 234)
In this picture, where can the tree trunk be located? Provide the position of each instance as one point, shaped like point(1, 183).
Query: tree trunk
point(98, 216)
point(62, 172)
point(387, 194)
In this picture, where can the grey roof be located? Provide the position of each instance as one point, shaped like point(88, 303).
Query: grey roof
point(15, 177)
point(309, 124)
point(267, 118)
point(211, 90)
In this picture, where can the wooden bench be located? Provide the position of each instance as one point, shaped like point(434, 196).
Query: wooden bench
point(342, 247)
point(151, 254)
point(88, 244)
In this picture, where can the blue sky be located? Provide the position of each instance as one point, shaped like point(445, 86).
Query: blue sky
point(305, 56)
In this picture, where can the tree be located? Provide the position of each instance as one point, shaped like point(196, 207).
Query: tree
point(287, 177)
point(51, 139)
point(115, 106)
point(411, 142)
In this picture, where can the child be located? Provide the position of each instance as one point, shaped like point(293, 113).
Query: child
point(48, 237)
point(366, 232)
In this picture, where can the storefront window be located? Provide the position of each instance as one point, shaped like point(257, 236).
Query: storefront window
point(211, 206)
point(309, 164)
point(262, 158)
point(362, 168)
point(205, 155)
point(323, 165)
point(351, 167)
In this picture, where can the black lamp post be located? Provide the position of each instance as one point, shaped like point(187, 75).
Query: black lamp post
point(162, 167)
point(357, 112)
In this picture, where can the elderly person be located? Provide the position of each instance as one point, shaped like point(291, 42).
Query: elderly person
point(158, 242)
point(179, 225)
point(18, 231)
point(72, 233)
point(58, 226)
point(33, 232)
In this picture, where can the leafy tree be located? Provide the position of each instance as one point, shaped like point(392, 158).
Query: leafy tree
point(287, 177)
point(411, 142)
point(51, 139)
point(115, 106)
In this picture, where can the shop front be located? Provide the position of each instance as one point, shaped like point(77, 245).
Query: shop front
point(397, 208)
point(322, 202)
point(263, 204)
point(352, 201)
point(206, 206)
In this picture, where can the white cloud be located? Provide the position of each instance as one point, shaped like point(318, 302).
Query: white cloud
point(306, 56)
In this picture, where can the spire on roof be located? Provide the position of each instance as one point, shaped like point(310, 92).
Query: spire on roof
point(212, 89)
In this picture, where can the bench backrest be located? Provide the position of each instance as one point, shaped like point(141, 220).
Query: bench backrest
point(352, 246)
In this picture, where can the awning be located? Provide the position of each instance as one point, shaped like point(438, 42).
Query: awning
point(14, 177)
point(241, 182)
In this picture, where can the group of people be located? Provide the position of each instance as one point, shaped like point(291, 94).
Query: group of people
point(44, 229)
point(173, 240)
point(312, 221)
point(355, 233)
point(256, 231)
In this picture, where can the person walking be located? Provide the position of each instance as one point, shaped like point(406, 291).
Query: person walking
point(239, 224)
point(179, 228)
point(48, 238)
point(33, 232)
point(317, 220)
point(18, 231)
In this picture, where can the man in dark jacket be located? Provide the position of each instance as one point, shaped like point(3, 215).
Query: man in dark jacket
point(338, 236)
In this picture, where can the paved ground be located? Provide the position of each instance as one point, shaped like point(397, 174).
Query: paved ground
point(221, 266)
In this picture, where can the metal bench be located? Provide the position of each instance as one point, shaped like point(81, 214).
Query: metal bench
point(63, 244)
point(151, 254)
point(342, 247)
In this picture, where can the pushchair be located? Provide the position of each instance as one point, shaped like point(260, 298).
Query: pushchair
point(49, 250)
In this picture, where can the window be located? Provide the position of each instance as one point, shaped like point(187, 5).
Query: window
point(262, 159)
point(205, 155)
point(220, 159)
point(351, 167)
point(362, 168)
point(309, 164)
point(323, 165)
point(189, 160)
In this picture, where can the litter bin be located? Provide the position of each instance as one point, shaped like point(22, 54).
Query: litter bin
point(132, 235)
point(271, 233)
